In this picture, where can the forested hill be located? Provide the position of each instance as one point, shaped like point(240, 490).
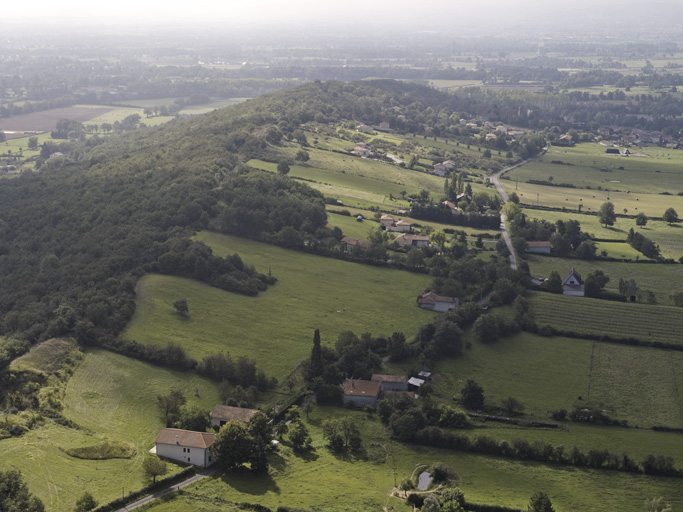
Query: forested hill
point(75, 237)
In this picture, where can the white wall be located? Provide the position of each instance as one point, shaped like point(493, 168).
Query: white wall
point(197, 456)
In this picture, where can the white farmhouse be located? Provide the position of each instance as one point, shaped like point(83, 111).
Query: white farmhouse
point(573, 284)
point(431, 300)
point(185, 446)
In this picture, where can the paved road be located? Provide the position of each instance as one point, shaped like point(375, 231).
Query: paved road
point(174, 487)
point(496, 181)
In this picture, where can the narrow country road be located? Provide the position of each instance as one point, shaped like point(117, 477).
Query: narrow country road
point(174, 487)
point(495, 179)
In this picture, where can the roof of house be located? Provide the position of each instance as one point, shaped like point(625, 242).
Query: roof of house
point(414, 381)
point(386, 217)
point(409, 238)
point(393, 394)
point(228, 413)
point(432, 298)
point(403, 223)
point(353, 241)
point(539, 244)
point(450, 204)
point(185, 438)
point(575, 273)
point(387, 378)
point(354, 387)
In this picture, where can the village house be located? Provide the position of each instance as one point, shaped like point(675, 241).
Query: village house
point(390, 382)
point(364, 128)
point(389, 223)
point(384, 126)
point(185, 446)
point(451, 205)
point(449, 164)
point(386, 222)
point(539, 247)
point(349, 244)
point(491, 137)
point(440, 170)
point(572, 284)
point(222, 414)
point(434, 302)
point(564, 140)
point(402, 226)
point(407, 240)
point(362, 151)
point(360, 392)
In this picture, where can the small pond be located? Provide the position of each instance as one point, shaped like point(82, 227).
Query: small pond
point(423, 481)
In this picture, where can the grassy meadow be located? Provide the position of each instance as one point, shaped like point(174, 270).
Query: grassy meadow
point(311, 292)
point(110, 398)
point(662, 279)
point(366, 483)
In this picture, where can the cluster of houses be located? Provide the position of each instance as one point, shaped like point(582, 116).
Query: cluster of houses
point(612, 136)
point(192, 447)
point(391, 387)
point(442, 169)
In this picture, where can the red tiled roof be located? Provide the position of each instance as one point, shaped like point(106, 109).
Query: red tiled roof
point(185, 438)
point(361, 388)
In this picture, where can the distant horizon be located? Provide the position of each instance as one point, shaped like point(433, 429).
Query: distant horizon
point(457, 16)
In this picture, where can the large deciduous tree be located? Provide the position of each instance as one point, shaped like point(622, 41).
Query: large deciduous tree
point(670, 216)
point(606, 214)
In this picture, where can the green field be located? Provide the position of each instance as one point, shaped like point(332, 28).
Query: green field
point(110, 398)
point(667, 237)
point(618, 319)
point(658, 170)
point(276, 328)
point(662, 279)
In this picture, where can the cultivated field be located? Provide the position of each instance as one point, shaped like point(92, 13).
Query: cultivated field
point(618, 319)
point(109, 397)
point(276, 328)
point(47, 120)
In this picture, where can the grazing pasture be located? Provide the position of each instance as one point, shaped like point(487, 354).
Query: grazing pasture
point(585, 315)
point(276, 328)
point(657, 170)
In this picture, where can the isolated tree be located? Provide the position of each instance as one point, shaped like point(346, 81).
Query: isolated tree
point(670, 216)
point(439, 238)
point(472, 395)
point(170, 403)
point(181, 307)
point(406, 485)
point(540, 502)
point(595, 282)
point(341, 432)
point(153, 467)
point(302, 156)
point(85, 503)
point(283, 168)
point(14, 493)
point(298, 436)
point(512, 406)
point(33, 143)
point(606, 214)
point(641, 219)
point(316, 367)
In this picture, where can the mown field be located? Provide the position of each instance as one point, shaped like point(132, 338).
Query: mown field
point(668, 237)
point(352, 484)
point(109, 397)
point(619, 319)
point(276, 328)
point(652, 205)
point(657, 170)
point(662, 279)
point(47, 120)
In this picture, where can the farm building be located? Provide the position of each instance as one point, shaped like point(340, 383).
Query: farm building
point(222, 414)
point(415, 383)
point(431, 300)
point(185, 446)
point(402, 226)
point(389, 223)
point(612, 151)
point(451, 205)
point(360, 392)
point(349, 244)
point(365, 129)
point(390, 382)
point(564, 140)
point(384, 126)
point(406, 240)
point(539, 247)
point(572, 284)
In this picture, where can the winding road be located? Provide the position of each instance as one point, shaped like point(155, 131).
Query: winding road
point(495, 179)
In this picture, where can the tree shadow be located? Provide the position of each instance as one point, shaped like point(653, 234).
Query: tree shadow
point(245, 481)
point(616, 230)
point(307, 454)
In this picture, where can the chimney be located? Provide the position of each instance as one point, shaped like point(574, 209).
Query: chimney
point(176, 439)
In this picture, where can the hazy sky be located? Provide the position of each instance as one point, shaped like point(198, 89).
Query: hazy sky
point(458, 14)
